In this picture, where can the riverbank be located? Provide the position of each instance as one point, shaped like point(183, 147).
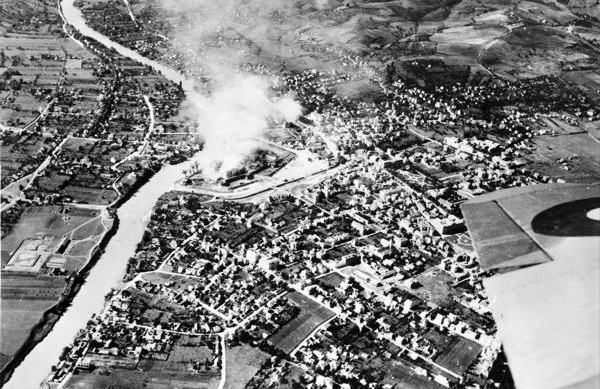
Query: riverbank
point(96, 280)
point(53, 314)
point(86, 294)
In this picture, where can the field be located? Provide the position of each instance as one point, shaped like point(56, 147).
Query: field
point(86, 195)
point(18, 317)
point(580, 150)
point(174, 372)
point(405, 378)
point(459, 354)
point(311, 316)
point(42, 220)
point(134, 379)
point(82, 248)
point(93, 227)
point(242, 363)
point(24, 300)
point(436, 286)
point(334, 280)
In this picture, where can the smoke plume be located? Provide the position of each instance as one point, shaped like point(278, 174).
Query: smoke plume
point(234, 118)
point(236, 108)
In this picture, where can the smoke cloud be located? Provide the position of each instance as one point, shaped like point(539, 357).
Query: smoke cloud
point(236, 108)
point(234, 118)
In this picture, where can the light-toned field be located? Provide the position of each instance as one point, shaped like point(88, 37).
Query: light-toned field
point(82, 248)
point(581, 148)
point(405, 378)
point(242, 363)
point(93, 227)
point(42, 220)
point(468, 35)
point(24, 300)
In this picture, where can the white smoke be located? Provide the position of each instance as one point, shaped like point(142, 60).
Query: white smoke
point(234, 116)
point(234, 119)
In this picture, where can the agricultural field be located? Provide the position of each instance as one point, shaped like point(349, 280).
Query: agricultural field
point(176, 370)
point(310, 317)
point(21, 154)
point(134, 379)
point(24, 299)
point(44, 245)
point(83, 248)
point(573, 156)
point(242, 363)
point(86, 195)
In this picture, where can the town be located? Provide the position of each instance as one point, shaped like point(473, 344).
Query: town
point(335, 256)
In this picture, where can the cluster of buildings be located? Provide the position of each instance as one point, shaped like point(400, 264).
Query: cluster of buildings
point(382, 222)
point(109, 346)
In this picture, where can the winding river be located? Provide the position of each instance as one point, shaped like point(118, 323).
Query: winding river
point(110, 268)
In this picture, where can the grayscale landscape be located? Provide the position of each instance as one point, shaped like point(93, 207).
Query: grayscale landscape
point(290, 194)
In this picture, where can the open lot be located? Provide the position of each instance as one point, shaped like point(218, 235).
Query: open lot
point(51, 220)
point(93, 227)
point(581, 151)
point(405, 378)
point(459, 354)
point(294, 332)
point(436, 286)
point(242, 363)
point(82, 248)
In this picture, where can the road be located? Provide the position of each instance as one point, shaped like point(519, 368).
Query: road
point(16, 197)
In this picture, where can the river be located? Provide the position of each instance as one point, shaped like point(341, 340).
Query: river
point(73, 16)
point(110, 268)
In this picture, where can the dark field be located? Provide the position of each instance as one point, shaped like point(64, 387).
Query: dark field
point(90, 195)
point(311, 316)
point(333, 280)
point(459, 354)
point(134, 379)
